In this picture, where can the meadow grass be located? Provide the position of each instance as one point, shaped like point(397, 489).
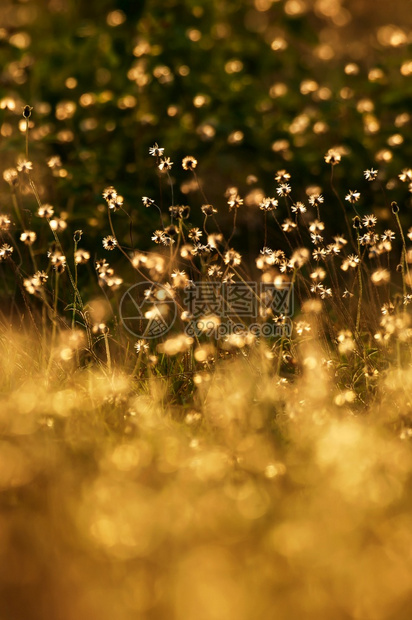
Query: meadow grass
point(202, 473)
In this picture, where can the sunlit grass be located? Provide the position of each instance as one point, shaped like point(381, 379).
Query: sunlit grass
point(248, 457)
point(209, 476)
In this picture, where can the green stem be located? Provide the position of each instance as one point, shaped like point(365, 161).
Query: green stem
point(137, 364)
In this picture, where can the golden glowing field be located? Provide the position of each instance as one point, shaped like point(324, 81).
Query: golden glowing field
point(259, 498)
point(205, 310)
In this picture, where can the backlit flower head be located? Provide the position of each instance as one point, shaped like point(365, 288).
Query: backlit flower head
point(27, 111)
point(371, 174)
point(282, 176)
point(23, 165)
point(54, 162)
point(5, 222)
point(333, 157)
point(316, 199)
point(208, 210)
point(298, 207)
point(10, 175)
point(141, 346)
point(388, 235)
point(58, 224)
point(109, 242)
point(156, 150)
point(353, 196)
point(6, 251)
point(369, 220)
point(28, 237)
point(288, 225)
point(406, 175)
point(284, 189)
point(268, 204)
point(147, 202)
point(165, 164)
point(109, 194)
point(81, 256)
point(116, 204)
point(235, 202)
point(231, 257)
point(58, 260)
point(195, 233)
point(189, 163)
point(45, 211)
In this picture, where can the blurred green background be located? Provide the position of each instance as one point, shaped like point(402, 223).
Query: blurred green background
point(246, 86)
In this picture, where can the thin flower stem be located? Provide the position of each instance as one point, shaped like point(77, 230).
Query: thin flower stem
point(54, 328)
point(350, 238)
point(200, 187)
point(137, 364)
point(27, 138)
point(120, 247)
point(266, 229)
point(160, 212)
point(17, 208)
point(234, 227)
point(172, 190)
point(358, 315)
point(403, 259)
point(282, 231)
point(75, 283)
point(108, 356)
point(114, 235)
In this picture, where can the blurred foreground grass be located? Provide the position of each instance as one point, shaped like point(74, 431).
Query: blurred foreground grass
point(261, 499)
